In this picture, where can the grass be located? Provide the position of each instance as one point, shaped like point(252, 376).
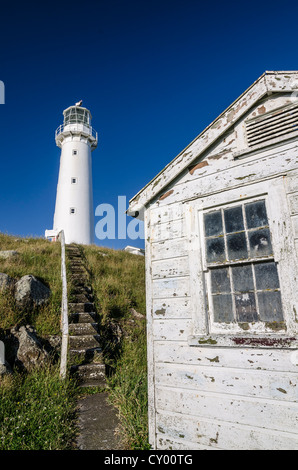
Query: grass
point(42, 259)
point(129, 392)
point(118, 281)
point(37, 411)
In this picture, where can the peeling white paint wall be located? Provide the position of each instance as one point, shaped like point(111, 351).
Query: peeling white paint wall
point(206, 390)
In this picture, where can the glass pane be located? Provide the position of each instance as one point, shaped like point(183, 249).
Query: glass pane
point(246, 310)
point(266, 276)
point(270, 307)
point(234, 219)
point(242, 278)
point(237, 248)
point(260, 242)
point(223, 308)
point(213, 224)
point(215, 250)
point(256, 215)
point(220, 280)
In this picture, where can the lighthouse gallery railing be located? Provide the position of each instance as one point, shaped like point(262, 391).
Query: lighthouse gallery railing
point(74, 127)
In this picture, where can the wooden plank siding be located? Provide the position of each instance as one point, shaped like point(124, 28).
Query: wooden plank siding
point(292, 194)
point(189, 432)
point(214, 397)
point(254, 412)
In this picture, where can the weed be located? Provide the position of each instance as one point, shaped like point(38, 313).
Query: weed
point(37, 411)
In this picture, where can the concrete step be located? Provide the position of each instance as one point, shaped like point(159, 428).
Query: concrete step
point(83, 317)
point(81, 289)
point(82, 298)
point(79, 282)
point(86, 355)
point(75, 273)
point(90, 373)
point(84, 341)
point(74, 254)
point(83, 329)
point(74, 266)
point(81, 307)
point(79, 279)
point(77, 268)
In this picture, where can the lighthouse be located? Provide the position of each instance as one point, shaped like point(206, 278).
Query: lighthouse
point(74, 199)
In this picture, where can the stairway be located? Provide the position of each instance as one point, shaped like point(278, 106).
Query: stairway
point(85, 353)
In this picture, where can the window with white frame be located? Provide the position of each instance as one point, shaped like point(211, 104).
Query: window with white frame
point(242, 274)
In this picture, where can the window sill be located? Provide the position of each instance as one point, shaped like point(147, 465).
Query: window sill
point(244, 341)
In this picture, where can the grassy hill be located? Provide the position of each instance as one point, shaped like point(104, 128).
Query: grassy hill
point(118, 282)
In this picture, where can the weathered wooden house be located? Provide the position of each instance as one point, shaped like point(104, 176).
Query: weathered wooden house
point(221, 228)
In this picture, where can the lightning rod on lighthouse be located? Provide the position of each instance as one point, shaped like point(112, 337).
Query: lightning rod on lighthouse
point(74, 200)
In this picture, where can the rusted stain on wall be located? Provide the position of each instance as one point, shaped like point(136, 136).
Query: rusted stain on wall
point(261, 110)
point(192, 169)
point(168, 193)
point(270, 342)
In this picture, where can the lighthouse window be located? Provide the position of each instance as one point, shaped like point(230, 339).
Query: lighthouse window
point(74, 180)
point(74, 152)
point(72, 210)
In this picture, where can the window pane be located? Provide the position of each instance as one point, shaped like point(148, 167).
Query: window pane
point(213, 224)
point(242, 278)
point(220, 280)
point(266, 276)
point(246, 310)
point(270, 307)
point(215, 250)
point(256, 215)
point(223, 308)
point(237, 248)
point(260, 242)
point(234, 219)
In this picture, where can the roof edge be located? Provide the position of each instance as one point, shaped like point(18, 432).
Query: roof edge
point(265, 88)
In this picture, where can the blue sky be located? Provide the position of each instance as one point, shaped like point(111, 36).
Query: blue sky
point(153, 73)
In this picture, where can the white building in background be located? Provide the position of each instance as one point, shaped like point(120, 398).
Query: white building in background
point(134, 250)
point(74, 200)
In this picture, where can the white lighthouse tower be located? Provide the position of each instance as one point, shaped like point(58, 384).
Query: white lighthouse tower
point(74, 200)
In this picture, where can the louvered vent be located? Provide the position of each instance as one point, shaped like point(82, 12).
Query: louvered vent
point(279, 124)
